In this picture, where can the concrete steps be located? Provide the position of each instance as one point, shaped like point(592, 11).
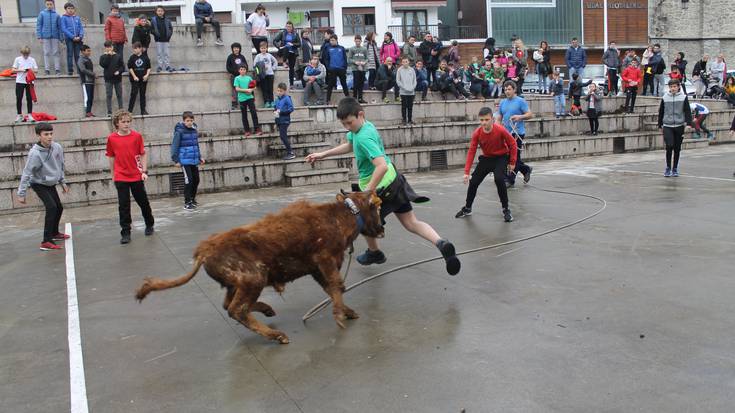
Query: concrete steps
point(316, 177)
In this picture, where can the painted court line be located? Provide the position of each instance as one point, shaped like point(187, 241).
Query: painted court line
point(77, 384)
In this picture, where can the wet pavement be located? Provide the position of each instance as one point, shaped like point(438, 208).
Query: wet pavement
point(630, 311)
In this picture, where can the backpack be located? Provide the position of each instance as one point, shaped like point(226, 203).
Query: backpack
point(259, 71)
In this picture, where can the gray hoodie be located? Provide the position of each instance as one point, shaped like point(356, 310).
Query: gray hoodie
point(674, 110)
point(44, 166)
point(406, 80)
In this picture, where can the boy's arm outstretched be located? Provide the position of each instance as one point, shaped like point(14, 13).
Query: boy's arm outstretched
point(341, 149)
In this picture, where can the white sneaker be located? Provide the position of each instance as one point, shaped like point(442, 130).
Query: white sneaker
point(200, 43)
point(30, 118)
point(19, 118)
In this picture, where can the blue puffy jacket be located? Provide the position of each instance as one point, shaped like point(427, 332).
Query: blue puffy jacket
point(336, 58)
point(71, 27)
point(48, 25)
point(576, 58)
point(202, 10)
point(284, 105)
point(185, 147)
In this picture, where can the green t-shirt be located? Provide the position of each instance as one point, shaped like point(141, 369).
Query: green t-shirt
point(367, 145)
point(243, 82)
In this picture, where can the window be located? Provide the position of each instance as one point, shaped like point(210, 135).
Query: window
point(29, 9)
point(413, 21)
point(358, 20)
point(522, 3)
point(319, 19)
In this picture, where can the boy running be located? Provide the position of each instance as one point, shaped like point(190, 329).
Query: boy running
point(514, 110)
point(44, 169)
point(377, 173)
point(499, 153)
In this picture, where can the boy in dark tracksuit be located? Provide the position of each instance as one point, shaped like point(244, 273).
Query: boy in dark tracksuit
point(185, 153)
point(575, 92)
point(86, 75)
point(283, 108)
point(140, 68)
point(499, 154)
point(674, 114)
point(234, 61)
point(113, 66)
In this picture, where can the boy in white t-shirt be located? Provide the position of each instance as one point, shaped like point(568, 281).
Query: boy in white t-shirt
point(21, 65)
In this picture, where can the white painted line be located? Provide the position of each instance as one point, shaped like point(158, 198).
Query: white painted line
point(77, 384)
point(711, 178)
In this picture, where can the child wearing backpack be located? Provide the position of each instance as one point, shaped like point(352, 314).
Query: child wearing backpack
point(265, 64)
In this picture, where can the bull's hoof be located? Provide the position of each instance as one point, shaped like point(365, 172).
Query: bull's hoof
point(269, 312)
point(351, 314)
point(283, 339)
point(340, 320)
point(279, 336)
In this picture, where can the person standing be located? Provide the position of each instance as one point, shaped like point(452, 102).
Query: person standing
point(576, 59)
point(498, 157)
point(698, 76)
point(512, 112)
point(307, 50)
point(265, 65)
point(357, 59)
point(594, 109)
point(257, 26)
point(429, 52)
point(245, 87)
point(717, 70)
point(162, 30)
point(204, 14)
point(453, 55)
point(557, 90)
point(140, 69)
point(113, 66)
point(234, 61)
point(611, 59)
point(115, 29)
point(632, 78)
point(681, 63)
point(373, 61)
point(389, 48)
point(129, 168)
point(87, 77)
point(542, 58)
point(647, 71)
point(379, 175)
point(658, 67)
point(674, 114)
point(44, 170)
point(48, 32)
point(142, 32)
point(73, 32)
point(283, 109)
point(409, 50)
point(288, 42)
point(185, 154)
point(406, 81)
point(336, 64)
point(21, 67)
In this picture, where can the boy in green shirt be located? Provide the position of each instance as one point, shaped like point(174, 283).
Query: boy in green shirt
point(377, 173)
point(245, 87)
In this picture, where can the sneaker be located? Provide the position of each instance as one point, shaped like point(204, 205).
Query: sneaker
point(450, 256)
point(109, 114)
point(674, 172)
point(195, 203)
point(289, 156)
point(219, 42)
point(362, 101)
point(386, 100)
point(696, 135)
point(29, 118)
point(371, 257)
point(398, 99)
point(189, 206)
point(48, 246)
point(158, 70)
point(403, 124)
point(60, 236)
point(710, 136)
point(234, 106)
point(144, 113)
point(58, 73)
point(464, 212)
point(527, 177)
point(248, 134)
point(47, 72)
point(170, 69)
point(125, 238)
point(667, 172)
point(19, 118)
point(89, 115)
point(258, 131)
point(410, 123)
point(509, 184)
point(507, 216)
point(149, 231)
point(200, 43)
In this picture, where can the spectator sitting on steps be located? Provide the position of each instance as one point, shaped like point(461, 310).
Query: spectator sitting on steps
point(203, 14)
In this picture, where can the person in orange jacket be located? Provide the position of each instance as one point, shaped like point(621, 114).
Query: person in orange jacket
point(632, 77)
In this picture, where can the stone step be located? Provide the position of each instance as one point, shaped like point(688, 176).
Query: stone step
point(316, 177)
point(300, 149)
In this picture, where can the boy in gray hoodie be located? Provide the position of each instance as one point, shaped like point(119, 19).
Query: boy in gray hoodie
point(406, 81)
point(44, 169)
point(674, 115)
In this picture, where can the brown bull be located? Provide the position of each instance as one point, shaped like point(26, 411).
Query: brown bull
point(303, 238)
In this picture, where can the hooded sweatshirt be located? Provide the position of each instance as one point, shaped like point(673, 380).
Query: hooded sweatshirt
point(71, 26)
point(234, 61)
point(86, 70)
point(142, 33)
point(674, 110)
point(185, 146)
point(44, 166)
point(406, 80)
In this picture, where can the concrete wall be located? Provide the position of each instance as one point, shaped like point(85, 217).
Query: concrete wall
point(183, 45)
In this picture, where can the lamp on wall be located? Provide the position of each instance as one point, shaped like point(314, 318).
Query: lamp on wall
point(684, 4)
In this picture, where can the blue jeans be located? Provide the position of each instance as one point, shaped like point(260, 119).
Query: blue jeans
point(559, 104)
point(577, 70)
point(72, 55)
point(543, 82)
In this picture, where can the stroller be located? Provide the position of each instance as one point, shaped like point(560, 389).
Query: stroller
point(715, 91)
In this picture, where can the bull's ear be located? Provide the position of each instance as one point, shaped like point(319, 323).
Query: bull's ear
point(375, 199)
point(340, 198)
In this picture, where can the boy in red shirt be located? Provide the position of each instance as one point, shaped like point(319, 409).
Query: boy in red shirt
point(499, 152)
point(129, 167)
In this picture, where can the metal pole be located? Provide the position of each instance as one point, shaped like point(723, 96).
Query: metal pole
point(604, 18)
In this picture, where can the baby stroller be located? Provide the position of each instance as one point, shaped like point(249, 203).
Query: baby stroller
point(714, 90)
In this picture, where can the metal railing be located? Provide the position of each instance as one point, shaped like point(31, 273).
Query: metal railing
point(443, 32)
point(316, 35)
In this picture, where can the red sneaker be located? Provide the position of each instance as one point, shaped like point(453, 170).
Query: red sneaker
point(60, 236)
point(48, 246)
point(258, 132)
point(248, 134)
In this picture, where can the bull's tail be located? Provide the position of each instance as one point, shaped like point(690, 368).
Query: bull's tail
point(156, 284)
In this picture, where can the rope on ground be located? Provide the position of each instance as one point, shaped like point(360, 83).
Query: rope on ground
point(324, 303)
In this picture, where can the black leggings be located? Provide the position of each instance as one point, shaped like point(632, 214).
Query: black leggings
point(135, 87)
point(407, 107)
point(332, 76)
point(54, 209)
point(495, 164)
point(673, 137)
point(191, 182)
point(371, 77)
point(358, 83)
point(291, 59)
point(630, 93)
point(244, 106)
point(612, 75)
point(266, 87)
point(124, 189)
point(19, 88)
point(593, 118)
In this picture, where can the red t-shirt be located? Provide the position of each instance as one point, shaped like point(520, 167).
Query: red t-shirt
point(127, 151)
point(496, 143)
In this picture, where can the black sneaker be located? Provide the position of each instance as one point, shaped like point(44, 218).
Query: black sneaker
point(450, 257)
point(371, 257)
point(189, 206)
point(527, 177)
point(289, 156)
point(125, 239)
point(149, 231)
point(464, 212)
point(195, 203)
point(507, 216)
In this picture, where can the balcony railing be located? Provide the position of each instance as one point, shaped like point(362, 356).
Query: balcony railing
point(316, 35)
point(443, 32)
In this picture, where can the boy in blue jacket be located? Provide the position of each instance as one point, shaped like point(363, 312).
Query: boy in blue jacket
point(336, 63)
point(283, 108)
point(73, 32)
point(48, 31)
point(185, 153)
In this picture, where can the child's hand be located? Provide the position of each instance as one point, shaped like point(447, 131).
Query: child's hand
point(178, 165)
point(275, 113)
point(466, 179)
point(65, 188)
point(117, 73)
point(145, 78)
point(201, 161)
point(21, 199)
point(313, 157)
